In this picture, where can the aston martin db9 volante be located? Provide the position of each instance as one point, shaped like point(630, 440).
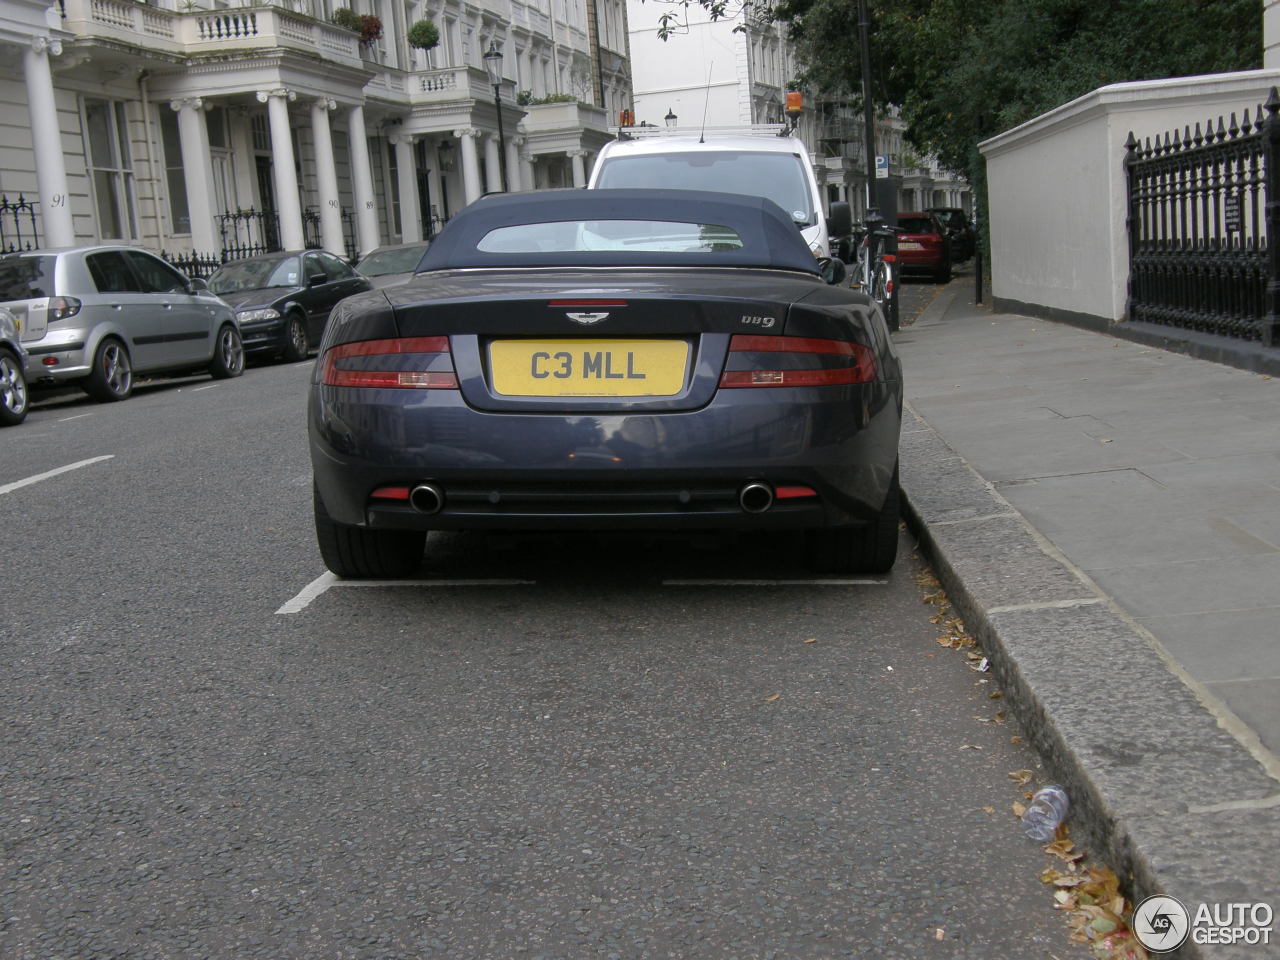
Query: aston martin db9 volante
point(608, 360)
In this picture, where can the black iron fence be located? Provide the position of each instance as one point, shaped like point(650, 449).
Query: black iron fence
point(1203, 205)
point(247, 233)
point(311, 231)
point(18, 224)
point(194, 264)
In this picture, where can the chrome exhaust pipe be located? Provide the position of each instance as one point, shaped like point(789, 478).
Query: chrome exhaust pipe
point(426, 498)
point(755, 497)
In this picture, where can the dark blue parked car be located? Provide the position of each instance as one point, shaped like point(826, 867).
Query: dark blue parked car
point(608, 359)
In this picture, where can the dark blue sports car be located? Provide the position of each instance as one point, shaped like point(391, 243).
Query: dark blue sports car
point(608, 360)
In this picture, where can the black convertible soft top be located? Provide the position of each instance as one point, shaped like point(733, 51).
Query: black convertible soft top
point(769, 237)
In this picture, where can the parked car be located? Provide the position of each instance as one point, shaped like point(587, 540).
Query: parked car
point(283, 300)
point(98, 315)
point(964, 239)
point(391, 265)
point(923, 246)
point(14, 397)
point(609, 359)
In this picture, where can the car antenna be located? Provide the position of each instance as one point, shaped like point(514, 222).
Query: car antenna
point(702, 134)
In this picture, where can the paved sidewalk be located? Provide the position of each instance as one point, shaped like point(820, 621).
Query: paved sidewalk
point(1107, 518)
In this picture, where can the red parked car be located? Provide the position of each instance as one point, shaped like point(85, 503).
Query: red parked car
point(923, 246)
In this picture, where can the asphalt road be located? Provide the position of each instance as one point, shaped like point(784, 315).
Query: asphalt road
point(544, 748)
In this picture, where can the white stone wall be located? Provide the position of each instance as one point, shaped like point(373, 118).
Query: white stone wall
point(1057, 191)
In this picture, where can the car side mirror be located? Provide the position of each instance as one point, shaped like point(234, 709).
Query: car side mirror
point(315, 279)
point(840, 220)
point(833, 270)
point(197, 285)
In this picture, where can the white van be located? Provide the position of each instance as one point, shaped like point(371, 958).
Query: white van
point(775, 167)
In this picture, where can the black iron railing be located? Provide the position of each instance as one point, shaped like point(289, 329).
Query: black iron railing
point(194, 264)
point(18, 224)
point(311, 231)
point(1200, 257)
point(247, 233)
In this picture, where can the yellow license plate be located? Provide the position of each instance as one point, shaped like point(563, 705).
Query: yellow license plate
point(588, 368)
point(909, 245)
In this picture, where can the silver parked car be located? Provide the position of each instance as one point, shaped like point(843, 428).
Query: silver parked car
point(97, 315)
point(13, 381)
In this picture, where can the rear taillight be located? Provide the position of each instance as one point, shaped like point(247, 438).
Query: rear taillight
point(409, 363)
point(62, 307)
point(756, 361)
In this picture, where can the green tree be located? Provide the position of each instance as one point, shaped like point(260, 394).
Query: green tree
point(965, 70)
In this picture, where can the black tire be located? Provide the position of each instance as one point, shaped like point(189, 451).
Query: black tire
point(359, 554)
point(295, 338)
point(14, 396)
point(881, 295)
point(872, 548)
point(228, 354)
point(942, 274)
point(112, 376)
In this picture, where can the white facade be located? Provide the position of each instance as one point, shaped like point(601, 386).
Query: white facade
point(158, 123)
point(1066, 250)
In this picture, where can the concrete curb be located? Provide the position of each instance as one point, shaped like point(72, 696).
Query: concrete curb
point(1173, 801)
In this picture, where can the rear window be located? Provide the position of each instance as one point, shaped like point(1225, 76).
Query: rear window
point(780, 177)
point(618, 236)
point(917, 224)
point(26, 278)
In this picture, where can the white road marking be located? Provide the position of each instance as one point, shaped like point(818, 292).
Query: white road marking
point(78, 416)
point(327, 580)
point(208, 386)
point(17, 484)
point(774, 583)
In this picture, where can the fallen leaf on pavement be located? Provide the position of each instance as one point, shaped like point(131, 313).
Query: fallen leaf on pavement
point(776, 696)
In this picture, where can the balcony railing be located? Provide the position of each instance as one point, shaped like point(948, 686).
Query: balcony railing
point(208, 31)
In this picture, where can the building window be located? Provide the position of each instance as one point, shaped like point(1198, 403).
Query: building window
point(106, 132)
point(175, 180)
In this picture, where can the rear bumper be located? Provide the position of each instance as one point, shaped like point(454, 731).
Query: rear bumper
point(669, 471)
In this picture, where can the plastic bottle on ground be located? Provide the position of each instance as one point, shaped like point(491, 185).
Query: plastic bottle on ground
point(1047, 809)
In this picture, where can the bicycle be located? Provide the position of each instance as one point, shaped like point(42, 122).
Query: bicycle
point(874, 271)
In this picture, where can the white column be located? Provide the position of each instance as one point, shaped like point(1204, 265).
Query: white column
point(362, 181)
point(46, 138)
point(288, 206)
point(513, 165)
point(327, 178)
point(197, 172)
point(407, 178)
point(470, 164)
point(493, 173)
point(527, 176)
point(579, 167)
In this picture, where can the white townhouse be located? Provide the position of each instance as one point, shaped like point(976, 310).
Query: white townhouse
point(737, 72)
point(198, 126)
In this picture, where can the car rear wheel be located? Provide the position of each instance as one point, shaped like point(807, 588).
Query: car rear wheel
point(360, 554)
point(112, 376)
point(943, 273)
point(871, 548)
point(295, 330)
point(13, 390)
point(228, 355)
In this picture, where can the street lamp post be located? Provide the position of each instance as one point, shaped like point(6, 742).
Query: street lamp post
point(670, 119)
point(493, 64)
